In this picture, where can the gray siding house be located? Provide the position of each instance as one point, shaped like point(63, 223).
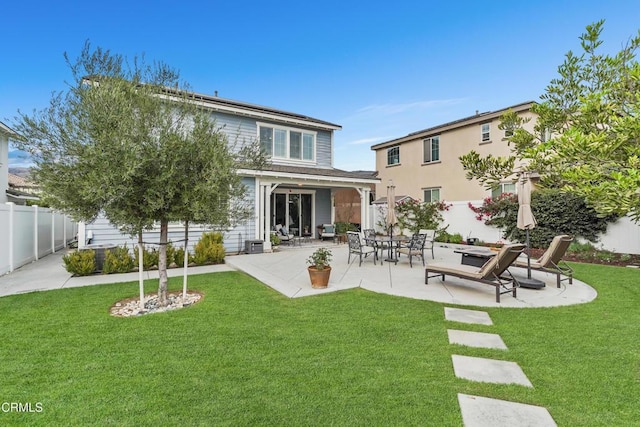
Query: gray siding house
point(295, 190)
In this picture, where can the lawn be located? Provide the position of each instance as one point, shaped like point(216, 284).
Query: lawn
point(246, 355)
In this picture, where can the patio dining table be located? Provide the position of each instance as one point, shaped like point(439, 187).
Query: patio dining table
point(392, 242)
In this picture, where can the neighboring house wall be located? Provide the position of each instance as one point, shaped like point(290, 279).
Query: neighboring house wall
point(412, 175)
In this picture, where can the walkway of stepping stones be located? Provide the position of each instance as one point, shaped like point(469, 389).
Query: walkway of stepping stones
point(478, 411)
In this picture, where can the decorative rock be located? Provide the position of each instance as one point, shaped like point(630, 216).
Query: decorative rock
point(131, 306)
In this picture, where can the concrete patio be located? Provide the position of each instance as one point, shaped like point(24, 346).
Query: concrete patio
point(286, 271)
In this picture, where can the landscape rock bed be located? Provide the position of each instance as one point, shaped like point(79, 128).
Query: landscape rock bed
point(131, 306)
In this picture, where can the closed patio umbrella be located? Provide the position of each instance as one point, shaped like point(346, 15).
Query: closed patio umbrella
point(391, 218)
point(526, 221)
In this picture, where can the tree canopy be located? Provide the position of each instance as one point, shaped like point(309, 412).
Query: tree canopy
point(587, 136)
point(126, 140)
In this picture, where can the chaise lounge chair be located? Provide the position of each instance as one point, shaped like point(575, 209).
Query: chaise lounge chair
point(551, 259)
point(491, 273)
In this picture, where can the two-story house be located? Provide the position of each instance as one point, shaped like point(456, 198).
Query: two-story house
point(425, 164)
point(297, 189)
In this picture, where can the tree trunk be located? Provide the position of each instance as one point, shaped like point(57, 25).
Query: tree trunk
point(141, 269)
point(162, 264)
point(186, 260)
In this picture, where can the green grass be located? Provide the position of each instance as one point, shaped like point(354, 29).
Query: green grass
point(245, 355)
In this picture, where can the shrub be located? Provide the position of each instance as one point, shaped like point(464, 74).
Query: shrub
point(178, 257)
point(556, 212)
point(443, 236)
point(456, 238)
point(343, 227)
point(150, 257)
point(118, 260)
point(275, 240)
point(209, 249)
point(171, 254)
point(578, 247)
point(81, 263)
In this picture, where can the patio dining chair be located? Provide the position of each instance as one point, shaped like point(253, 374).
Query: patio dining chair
point(415, 247)
point(358, 248)
point(430, 237)
point(369, 238)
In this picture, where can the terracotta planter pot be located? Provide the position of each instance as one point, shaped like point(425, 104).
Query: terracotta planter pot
point(319, 278)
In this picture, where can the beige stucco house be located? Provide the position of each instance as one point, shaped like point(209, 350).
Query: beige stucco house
point(425, 164)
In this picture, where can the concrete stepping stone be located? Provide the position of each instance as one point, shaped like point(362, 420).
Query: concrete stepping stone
point(476, 339)
point(485, 412)
point(489, 370)
point(467, 316)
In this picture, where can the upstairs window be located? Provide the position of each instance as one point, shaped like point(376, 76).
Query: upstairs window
point(486, 132)
point(284, 143)
point(431, 195)
point(266, 140)
point(431, 149)
point(504, 187)
point(393, 156)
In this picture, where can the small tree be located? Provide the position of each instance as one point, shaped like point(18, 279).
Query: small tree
point(127, 140)
point(413, 215)
point(586, 137)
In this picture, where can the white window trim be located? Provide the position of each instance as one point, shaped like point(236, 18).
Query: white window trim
point(430, 139)
point(431, 190)
point(501, 185)
point(288, 130)
point(482, 133)
point(387, 153)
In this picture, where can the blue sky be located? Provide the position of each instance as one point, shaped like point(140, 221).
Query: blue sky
point(378, 69)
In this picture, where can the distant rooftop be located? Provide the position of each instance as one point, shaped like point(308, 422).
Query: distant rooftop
point(476, 118)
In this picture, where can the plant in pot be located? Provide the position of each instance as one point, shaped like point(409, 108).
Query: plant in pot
point(319, 269)
point(275, 240)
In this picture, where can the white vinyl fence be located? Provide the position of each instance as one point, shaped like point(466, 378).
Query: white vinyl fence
point(27, 233)
point(623, 236)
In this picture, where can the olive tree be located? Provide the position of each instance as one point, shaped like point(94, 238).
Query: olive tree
point(126, 140)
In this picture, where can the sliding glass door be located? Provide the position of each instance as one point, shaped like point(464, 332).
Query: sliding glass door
point(293, 210)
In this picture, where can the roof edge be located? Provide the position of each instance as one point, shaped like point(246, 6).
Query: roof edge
point(476, 118)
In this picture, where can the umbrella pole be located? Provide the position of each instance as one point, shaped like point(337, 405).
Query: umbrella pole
point(530, 282)
point(528, 257)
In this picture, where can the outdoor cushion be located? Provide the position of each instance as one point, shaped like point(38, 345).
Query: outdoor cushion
point(491, 273)
point(551, 260)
